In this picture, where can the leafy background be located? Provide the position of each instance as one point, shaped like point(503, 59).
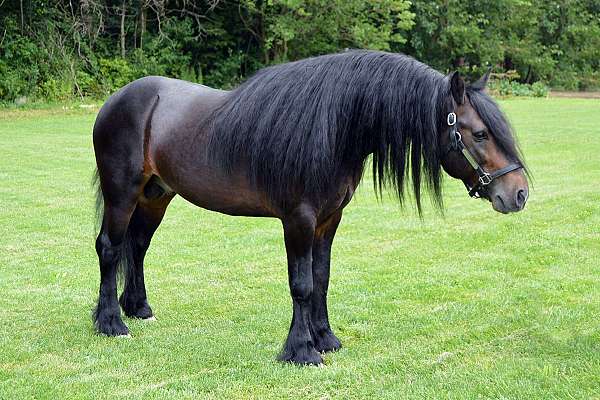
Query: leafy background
point(60, 50)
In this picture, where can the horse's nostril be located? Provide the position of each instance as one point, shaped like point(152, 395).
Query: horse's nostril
point(501, 202)
point(521, 198)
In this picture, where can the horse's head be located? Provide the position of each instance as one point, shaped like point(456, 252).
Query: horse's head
point(478, 147)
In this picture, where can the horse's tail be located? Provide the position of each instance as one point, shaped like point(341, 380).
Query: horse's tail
point(125, 254)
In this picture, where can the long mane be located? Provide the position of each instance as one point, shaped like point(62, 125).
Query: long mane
point(297, 127)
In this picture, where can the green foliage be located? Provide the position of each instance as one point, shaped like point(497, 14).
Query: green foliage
point(293, 29)
point(553, 41)
point(75, 49)
point(56, 89)
point(115, 73)
point(167, 53)
point(89, 85)
point(506, 87)
point(227, 74)
point(538, 89)
point(19, 63)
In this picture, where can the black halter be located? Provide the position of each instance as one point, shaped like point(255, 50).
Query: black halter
point(484, 178)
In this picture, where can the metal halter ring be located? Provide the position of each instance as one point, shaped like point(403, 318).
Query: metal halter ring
point(451, 119)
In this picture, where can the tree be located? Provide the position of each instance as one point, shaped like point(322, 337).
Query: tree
point(293, 29)
point(59, 48)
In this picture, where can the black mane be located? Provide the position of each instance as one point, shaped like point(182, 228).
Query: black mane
point(300, 125)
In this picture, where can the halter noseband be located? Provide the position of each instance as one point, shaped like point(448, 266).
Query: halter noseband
point(484, 178)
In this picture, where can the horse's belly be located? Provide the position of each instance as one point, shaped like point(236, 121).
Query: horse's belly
point(210, 188)
point(224, 197)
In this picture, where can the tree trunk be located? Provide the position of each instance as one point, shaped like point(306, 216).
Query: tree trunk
point(529, 75)
point(123, 30)
point(262, 7)
point(87, 19)
point(22, 18)
point(142, 23)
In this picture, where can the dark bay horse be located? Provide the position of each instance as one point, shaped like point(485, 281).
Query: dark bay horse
point(291, 143)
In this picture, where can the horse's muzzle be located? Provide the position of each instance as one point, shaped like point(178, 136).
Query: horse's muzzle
point(506, 203)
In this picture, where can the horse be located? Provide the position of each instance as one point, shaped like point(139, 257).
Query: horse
point(292, 142)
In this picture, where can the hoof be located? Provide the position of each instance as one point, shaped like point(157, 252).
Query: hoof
point(133, 309)
point(326, 342)
point(128, 336)
point(111, 325)
point(306, 356)
point(150, 319)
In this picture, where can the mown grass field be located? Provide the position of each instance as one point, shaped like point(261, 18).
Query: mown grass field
point(472, 304)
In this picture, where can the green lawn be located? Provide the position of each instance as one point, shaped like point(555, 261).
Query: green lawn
point(472, 304)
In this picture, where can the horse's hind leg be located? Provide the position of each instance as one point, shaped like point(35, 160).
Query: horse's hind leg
point(145, 220)
point(121, 133)
point(110, 249)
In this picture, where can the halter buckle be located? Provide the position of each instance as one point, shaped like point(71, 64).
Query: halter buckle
point(451, 119)
point(485, 179)
point(456, 139)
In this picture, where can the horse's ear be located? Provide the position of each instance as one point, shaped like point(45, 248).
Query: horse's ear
point(457, 88)
point(482, 82)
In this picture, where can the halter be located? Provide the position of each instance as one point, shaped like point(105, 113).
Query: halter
point(484, 178)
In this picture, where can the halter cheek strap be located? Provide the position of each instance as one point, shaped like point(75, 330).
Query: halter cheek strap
point(484, 177)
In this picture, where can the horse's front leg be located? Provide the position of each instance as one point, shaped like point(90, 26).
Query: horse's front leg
point(299, 230)
point(324, 338)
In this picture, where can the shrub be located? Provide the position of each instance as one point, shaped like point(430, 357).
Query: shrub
point(89, 85)
point(56, 89)
point(539, 89)
point(513, 88)
point(115, 73)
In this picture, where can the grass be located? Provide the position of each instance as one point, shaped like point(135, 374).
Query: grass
point(472, 304)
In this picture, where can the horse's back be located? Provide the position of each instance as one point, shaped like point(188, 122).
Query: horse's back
point(127, 113)
point(129, 103)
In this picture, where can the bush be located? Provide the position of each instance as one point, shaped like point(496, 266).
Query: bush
point(539, 89)
point(89, 85)
point(115, 73)
point(56, 89)
point(513, 88)
point(228, 73)
point(565, 80)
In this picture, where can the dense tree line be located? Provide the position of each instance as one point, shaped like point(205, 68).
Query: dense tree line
point(57, 49)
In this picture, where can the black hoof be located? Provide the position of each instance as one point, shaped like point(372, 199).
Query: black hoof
point(111, 324)
point(136, 309)
point(327, 341)
point(304, 355)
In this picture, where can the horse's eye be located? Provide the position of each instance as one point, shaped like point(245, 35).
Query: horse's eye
point(480, 135)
